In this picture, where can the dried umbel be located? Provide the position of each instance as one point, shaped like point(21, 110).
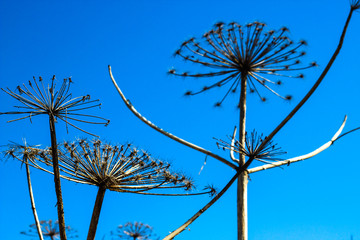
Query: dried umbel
point(267, 154)
point(120, 168)
point(133, 231)
point(24, 153)
point(248, 53)
point(50, 230)
point(38, 98)
point(21, 152)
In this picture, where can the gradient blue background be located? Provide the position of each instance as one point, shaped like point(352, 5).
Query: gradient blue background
point(316, 199)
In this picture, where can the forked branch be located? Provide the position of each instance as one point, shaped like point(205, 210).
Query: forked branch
point(354, 7)
point(167, 134)
point(305, 156)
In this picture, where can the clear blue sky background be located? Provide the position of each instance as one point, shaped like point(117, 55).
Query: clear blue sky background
point(316, 199)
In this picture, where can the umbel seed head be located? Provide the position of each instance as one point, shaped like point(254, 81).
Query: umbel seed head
point(121, 168)
point(234, 53)
point(37, 98)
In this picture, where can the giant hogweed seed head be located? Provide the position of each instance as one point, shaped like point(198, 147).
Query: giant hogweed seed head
point(236, 52)
point(36, 98)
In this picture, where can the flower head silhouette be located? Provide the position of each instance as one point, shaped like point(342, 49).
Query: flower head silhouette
point(120, 168)
point(246, 53)
point(50, 230)
point(38, 99)
point(267, 154)
point(133, 231)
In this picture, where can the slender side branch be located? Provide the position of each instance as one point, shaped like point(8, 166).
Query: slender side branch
point(182, 141)
point(317, 83)
point(303, 157)
point(36, 218)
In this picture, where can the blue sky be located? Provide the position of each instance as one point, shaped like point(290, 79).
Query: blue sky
point(316, 199)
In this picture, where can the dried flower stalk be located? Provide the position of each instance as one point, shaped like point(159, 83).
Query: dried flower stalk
point(38, 99)
point(23, 153)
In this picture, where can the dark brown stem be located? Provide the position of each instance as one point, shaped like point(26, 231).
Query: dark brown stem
point(312, 90)
point(96, 213)
point(59, 204)
point(242, 179)
point(36, 219)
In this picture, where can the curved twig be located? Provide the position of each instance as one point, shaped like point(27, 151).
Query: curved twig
point(32, 200)
point(152, 125)
point(305, 156)
point(317, 83)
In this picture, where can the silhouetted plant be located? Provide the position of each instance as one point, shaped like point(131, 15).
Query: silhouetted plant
point(23, 153)
point(50, 230)
point(133, 231)
point(243, 57)
point(246, 55)
point(38, 99)
point(119, 168)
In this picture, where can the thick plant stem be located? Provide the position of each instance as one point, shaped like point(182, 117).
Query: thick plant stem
point(242, 206)
point(242, 180)
point(36, 219)
point(59, 204)
point(96, 213)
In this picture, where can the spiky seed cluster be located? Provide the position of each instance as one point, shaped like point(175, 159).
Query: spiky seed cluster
point(38, 98)
point(50, 230)
point(248, 52)
point(22, 152)
point(212, 190)
point(120, 168)
point(133, 231)
point(269, 152)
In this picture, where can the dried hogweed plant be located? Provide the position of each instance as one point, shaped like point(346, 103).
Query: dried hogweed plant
point(133, 231)
point(50, 230)
point(40, 99)
point(245, 58)
point(24, 153)
point(120, 168)
point(242, 58)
